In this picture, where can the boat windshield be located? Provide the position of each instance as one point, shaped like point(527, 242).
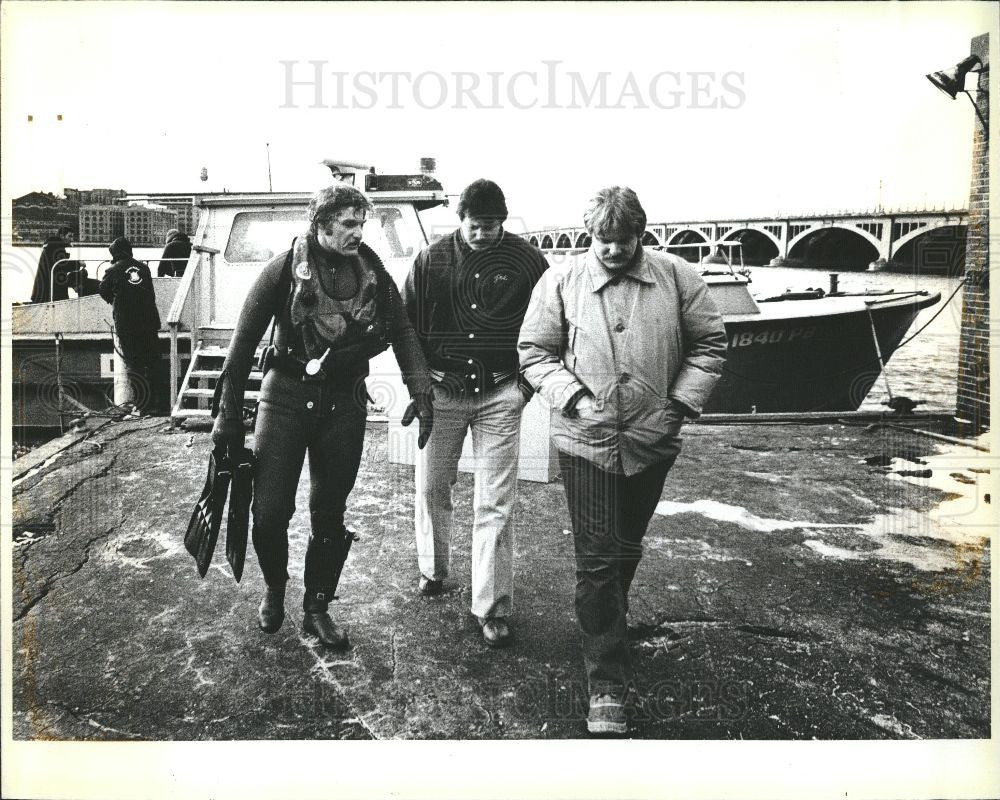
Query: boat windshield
point(392, 231)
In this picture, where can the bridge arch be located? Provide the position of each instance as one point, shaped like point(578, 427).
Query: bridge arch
point(937, 251)
point(649, 239)
point(759, 247)
point(564, 242)
point(584, 240)
point(840, 246)
point(533, 241)
point(688, 236)
point(546, 242)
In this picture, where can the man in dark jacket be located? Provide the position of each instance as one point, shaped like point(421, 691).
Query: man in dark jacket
point(53, 251)
point(128, 285)
point(178, 247)
point(466, 296)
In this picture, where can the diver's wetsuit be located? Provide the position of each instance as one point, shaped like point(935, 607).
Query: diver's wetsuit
point(322, 415)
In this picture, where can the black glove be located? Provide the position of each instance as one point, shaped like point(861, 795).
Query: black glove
point(228, 432)
point(422, 406)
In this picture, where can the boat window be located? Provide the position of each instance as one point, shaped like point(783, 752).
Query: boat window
point(393, 231)
point(260, 235)
point(257, 236)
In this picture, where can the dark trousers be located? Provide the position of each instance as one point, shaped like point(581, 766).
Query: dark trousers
point(144, 379)
point(610, 514)
point(141, 354)
point(293, 419)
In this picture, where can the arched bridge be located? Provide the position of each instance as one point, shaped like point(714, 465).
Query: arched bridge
point(929, 241)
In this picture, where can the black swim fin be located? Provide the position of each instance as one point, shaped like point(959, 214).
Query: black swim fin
point(206, 519)
point(240, 497)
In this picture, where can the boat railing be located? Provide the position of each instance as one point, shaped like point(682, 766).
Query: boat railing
point(198, 285)
point(97, 272)
point(716, 248)
point(52, 272)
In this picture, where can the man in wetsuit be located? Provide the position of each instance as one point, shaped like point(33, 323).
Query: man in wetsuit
point(335, 306)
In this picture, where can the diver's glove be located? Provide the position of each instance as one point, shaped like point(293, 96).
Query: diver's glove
point(228, 432)
point(422, 406)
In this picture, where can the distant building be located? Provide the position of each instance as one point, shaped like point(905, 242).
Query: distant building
point(183, 204)
point(93, 197)
point(147, 226)
point(101, 224)
point(38, 215)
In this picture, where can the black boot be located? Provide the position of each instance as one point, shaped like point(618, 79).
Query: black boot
point(271, 613)
point(316, 621)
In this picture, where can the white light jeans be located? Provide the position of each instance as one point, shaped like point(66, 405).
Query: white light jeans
point(495, 420)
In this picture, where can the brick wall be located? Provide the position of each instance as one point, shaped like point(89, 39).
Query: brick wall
point(974, 348)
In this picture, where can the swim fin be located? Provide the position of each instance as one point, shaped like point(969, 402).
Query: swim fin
point(203, 528)
point(240, 497)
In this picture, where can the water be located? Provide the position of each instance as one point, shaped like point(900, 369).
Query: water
point(926, 368)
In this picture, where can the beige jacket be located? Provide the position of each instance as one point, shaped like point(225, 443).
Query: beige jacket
point(671, 345)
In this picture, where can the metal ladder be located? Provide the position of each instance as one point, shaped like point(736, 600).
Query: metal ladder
point(195, 396)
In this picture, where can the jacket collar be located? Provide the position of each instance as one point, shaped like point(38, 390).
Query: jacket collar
point(465, 249)
point(600, 276)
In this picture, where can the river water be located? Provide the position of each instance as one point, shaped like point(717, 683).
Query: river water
point(925, 368)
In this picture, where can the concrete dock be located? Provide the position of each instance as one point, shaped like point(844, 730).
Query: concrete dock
point(826, 581)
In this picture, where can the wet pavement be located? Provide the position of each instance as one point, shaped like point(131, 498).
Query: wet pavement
point(821, 581)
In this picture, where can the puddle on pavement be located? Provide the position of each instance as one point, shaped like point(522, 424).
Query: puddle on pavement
point(946, 537)
point(723, 512)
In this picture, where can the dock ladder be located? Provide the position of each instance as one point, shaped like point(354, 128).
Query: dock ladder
point(194, 400)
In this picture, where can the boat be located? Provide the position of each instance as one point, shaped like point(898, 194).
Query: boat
point(808, 350)
point(803, 351)
point(65, 362)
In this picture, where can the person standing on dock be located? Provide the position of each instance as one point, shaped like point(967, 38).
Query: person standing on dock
point(175, 255)
point(624, 343)
point(334, 307)
point(128, 286)
point(466, 295)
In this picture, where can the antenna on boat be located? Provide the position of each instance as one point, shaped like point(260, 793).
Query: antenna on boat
point(270, 188)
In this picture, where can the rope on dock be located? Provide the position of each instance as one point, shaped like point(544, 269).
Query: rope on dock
point(944, 305)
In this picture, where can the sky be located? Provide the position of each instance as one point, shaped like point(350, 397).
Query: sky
point(810, 107)
point(828, 107)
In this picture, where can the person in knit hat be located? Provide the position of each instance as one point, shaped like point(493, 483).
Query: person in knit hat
point(178, 247)
point(128, 286)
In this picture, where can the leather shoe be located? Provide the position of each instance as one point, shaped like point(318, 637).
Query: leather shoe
point(271, 612)
point(429, 587)
point(496, 631)
point(325, 629)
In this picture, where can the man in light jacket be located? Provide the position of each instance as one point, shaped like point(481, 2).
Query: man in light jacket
point(624, 343)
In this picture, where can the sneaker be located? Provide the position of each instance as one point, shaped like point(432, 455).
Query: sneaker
point(429, 587)
point(607, 716)
point(496, 631)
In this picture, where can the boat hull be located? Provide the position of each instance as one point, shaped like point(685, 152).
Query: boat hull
point(52, 386)
point(824, 362)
